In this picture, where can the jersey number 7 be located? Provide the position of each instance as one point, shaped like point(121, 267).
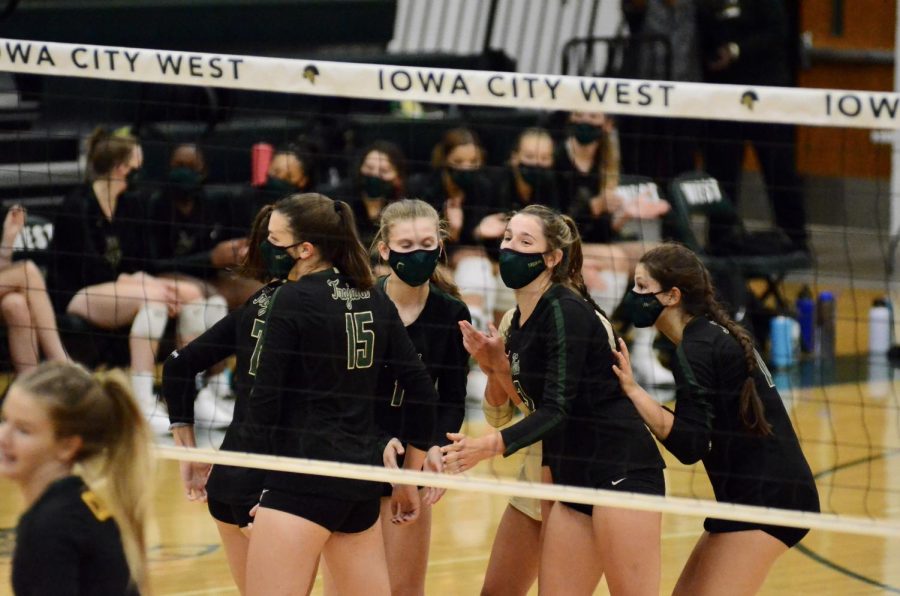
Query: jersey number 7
point(360, 339)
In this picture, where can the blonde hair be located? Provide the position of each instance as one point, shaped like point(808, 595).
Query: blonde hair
point(114, 457)
point(406, 209)
point(107, 150)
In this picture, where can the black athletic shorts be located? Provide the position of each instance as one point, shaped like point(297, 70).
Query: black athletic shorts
point(789, 536)
point(335, 515)
point(236, 515)
point(645, 482)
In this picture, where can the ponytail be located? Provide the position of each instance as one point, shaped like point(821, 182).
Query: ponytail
point(252, 265)
point(753, 413)
point(125, 469)
point(351, 257)
point(572, 263)
point(114, 458)
point(330, 227)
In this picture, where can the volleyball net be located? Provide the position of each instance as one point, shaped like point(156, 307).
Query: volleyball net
point(843, 403)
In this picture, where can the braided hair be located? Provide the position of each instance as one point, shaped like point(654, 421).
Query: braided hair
point(674, 265)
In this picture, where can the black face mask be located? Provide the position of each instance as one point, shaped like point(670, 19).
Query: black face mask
point(464, 179)
point(276, 258)
point(134, 177)
point(186, 182)
point(537, 177)
point(277, 186)
point(415, 267)
point(518, 269)
point(584, 133)
point(376, 187)
point(643, 309)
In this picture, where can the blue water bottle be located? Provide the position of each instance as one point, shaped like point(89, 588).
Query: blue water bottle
point(781, 334)
point(826, 317)
point(806, 316)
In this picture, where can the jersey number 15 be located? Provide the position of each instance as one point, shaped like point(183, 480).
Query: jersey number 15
point(360, 339)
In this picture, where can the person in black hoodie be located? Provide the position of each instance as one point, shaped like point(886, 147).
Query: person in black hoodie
point(745, 42)
point(98, 267)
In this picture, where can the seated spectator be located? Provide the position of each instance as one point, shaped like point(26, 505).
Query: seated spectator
point(24, 304)
point(378, 178)
point(187, 245)
point(588, 169)
point(98, 266)
point(527, 179)
point(457, 186)
point(292, 170)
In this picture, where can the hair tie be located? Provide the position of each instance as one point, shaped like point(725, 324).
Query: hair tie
point(337, 208)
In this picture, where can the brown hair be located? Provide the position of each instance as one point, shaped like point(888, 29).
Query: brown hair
point(330, 227)
point(562, 233)
point(252, 265)
point(676, 266)
point(405, 209)
point(105, 151)
point(533, 131)
point(453, 138)
point(114, 455)
point(395, 158)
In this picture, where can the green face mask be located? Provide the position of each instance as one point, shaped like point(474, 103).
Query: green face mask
point(464, 179)
point(518, 269)
point(277, 186)
point(643, 309)
point(585, 133)
point(376, 187)
point(276, 258)
point(415, 267)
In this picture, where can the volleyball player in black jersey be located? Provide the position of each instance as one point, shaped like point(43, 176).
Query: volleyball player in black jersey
point(560, 360)
point(81, 534)
point(327, 336)
point(410, 241)
point(230, 492)
point(728, 414)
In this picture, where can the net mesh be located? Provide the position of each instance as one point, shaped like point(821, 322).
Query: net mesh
point(654, 183)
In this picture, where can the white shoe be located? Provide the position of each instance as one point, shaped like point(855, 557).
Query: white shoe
point(208, 411)
point(647, 369)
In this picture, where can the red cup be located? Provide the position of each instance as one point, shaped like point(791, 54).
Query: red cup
point(260, 158)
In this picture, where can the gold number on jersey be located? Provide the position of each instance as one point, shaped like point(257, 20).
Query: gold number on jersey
point(256, 333)
point(398, 395)
point(360, 339)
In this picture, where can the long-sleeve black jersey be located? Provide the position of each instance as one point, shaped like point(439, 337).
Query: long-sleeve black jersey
point(742, 467)
point(238, 333)
point(88, 249)
point(323, 348)
point(438, 341)
point(68, 544)
point(561, 363)
point(181, 241)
